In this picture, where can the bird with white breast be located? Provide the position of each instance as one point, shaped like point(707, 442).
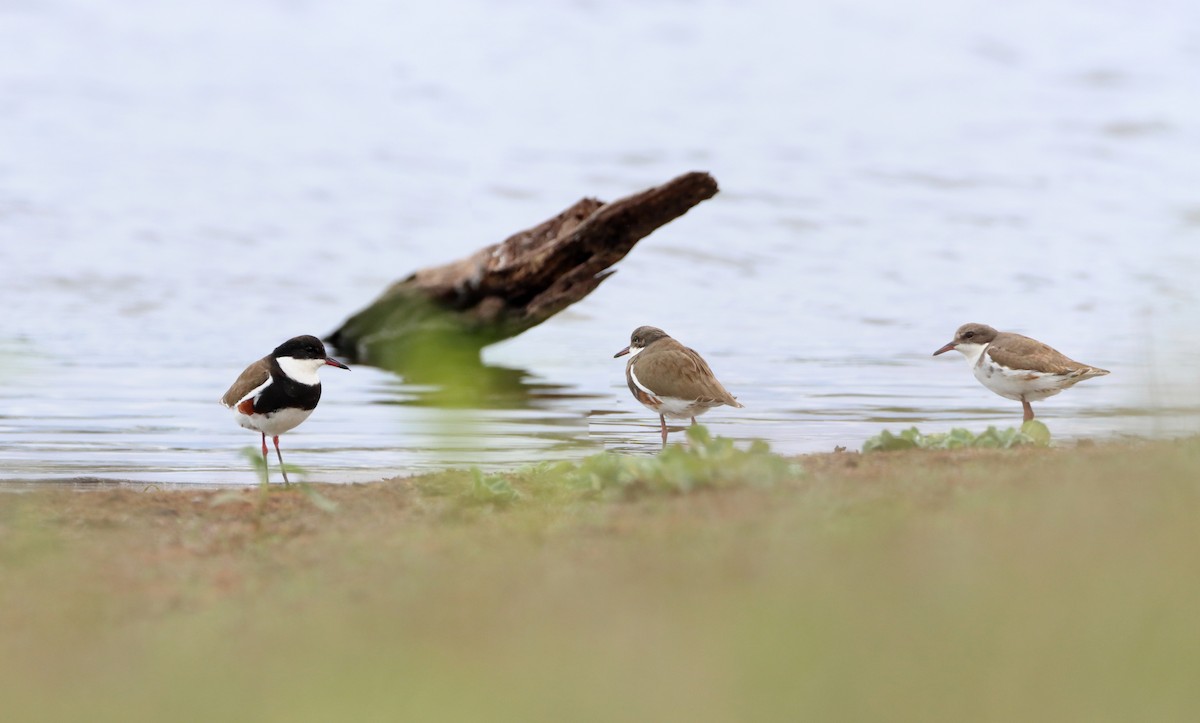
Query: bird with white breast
point(671, 379)
point(1017, 367)
point(278, 392)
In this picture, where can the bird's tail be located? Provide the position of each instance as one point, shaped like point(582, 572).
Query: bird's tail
point(1089, 372)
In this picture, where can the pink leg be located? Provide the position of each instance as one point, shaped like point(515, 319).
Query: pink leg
point(662, 420)
point(281, 469)
point(1028, 410)
point(266, 471)
point(693, 421)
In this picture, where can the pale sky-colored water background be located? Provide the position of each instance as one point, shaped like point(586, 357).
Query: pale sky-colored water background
point(183, 186)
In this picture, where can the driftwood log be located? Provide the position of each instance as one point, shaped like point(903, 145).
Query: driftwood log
point(503, 289)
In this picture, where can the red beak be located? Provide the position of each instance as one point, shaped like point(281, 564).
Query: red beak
point(335, 363)
point(623, 352)
point(949, 347)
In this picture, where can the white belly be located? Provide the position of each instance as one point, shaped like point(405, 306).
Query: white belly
point(1019, 384)
point(275, 423)
point(672, 407)
point(681, 408)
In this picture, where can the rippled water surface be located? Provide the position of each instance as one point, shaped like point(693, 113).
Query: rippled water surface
point(181, 188)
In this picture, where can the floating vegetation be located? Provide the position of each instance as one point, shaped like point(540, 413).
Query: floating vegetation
point(703, 462)
point(1031, 433)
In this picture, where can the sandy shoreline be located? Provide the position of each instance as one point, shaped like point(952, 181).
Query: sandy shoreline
point(921, 581)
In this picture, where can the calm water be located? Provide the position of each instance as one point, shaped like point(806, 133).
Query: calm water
point(181, 188)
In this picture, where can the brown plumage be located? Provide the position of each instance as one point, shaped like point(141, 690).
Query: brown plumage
point(671, 379)
point(671, 369)
point(254, 376)
point(1017, 367)
point(1020, 352)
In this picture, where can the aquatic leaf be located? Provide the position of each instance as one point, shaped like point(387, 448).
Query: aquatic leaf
point(960, 437)
point(704, 461)
point(698, 433)
point(1032, 433)
point(492, 489)
point(1037, 432)
point(989, 438)
point(885, 441)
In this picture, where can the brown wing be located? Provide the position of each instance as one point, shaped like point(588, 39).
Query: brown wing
point(1020, 352)
point(255, 376)
point(679, 372)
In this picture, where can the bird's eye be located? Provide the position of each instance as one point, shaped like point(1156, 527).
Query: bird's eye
point(968, 335)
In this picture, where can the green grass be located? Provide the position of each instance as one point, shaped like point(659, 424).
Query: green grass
point(975, 584)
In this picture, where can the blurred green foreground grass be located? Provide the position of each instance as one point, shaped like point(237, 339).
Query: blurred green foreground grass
point(964, 585)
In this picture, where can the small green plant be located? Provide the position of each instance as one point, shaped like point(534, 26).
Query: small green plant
point(474, 488)
point(254, 456)
point(492, 489)
point(703, 462)
point(318, 500)
point(1038, 432)
point(1031, 433)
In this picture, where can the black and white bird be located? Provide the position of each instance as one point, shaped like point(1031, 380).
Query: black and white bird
point(278, 392)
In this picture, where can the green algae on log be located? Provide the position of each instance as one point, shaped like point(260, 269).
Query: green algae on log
point(506, 288)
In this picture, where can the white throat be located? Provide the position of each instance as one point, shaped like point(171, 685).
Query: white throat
point(971, 351)
point(301, 370)
point(635, 350)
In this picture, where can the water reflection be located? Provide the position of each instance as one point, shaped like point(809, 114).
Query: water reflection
point(446, 370)
point(476, 386)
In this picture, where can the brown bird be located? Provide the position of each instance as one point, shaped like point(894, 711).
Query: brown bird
point(279, 391)
point(670, 379)
point(1017, 367)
